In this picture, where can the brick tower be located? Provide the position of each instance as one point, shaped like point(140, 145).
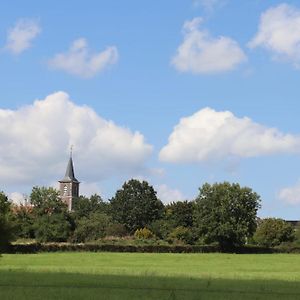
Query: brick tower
point(69, 185)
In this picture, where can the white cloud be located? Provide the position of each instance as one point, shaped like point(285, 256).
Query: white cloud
point(34, 143)
point(17, 198)
point(20, 37)
point(202, 53)
point(168, 195)
point(209, 135)
point(80, 61)
point(279, 32)
point(90, 188)
point(291, 194)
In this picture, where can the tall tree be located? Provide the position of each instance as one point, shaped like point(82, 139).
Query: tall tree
point(136, 205)
point(6, 225)
point(83, 206)
point(52, 220)
point(180, 213)
point(226, 213)
point(24, 221)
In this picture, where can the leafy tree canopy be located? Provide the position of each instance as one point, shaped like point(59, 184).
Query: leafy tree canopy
point(180, 213)
point(52, 220)
point(272, 232)
point(46, 200)
point(83, 206)
point(226, 213)
point(92, 228)
point(6, 225)
point(136, 205)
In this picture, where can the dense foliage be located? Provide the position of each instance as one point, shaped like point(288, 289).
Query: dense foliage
point(226, 213)
point(272, 232)
point(6, 224)
point(52, 221)
point(136, 205)
point(222, 216)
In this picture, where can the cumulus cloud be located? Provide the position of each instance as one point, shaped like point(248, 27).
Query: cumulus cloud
point(279, 32)
point(20, 37)
point(80, 61)
point(34, 143)
point(210, 135)
point(200, 53)
point(291, 195)
point(168, 195)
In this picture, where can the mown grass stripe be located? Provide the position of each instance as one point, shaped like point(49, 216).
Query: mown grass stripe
point(227, 291)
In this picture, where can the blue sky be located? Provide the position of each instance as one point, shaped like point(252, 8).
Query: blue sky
point(174, 92)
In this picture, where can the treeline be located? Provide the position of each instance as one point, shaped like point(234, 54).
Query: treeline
point(222, 214)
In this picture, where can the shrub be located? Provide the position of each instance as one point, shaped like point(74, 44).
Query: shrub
point(181, 233)
point(161, 228)
point(116, 229)
point(143, 233)
point(54, 247)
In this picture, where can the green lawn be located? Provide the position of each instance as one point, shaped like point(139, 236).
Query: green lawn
point(149, 276)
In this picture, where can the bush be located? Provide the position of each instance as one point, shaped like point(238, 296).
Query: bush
point(143, 233)
point(55, 247)
point(272, 232)
point(182, 234)
point(116, 229)
point(161, 228)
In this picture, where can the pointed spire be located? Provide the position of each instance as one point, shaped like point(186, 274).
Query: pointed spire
point(69, 176)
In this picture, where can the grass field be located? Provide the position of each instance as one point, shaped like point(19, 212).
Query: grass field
point(149, 276)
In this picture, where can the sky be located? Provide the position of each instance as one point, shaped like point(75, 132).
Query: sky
point(177, 93)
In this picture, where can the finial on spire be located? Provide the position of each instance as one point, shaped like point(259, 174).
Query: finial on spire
point(71, 150)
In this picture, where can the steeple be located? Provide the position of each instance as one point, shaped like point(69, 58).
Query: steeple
point(69, 185)
point(69, 176)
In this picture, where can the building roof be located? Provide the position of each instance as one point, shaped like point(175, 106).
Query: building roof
point(69, 176)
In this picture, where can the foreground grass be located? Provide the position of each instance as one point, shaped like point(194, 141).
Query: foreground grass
point(149, 276)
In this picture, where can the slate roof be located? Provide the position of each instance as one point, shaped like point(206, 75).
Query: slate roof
point(69, 176)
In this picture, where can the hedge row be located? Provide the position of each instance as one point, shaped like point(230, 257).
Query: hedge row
point(55, 247)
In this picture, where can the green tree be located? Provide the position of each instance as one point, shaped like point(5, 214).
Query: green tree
point(52, 220)
point(24, 221)
point(46, 200)
point(180, 213)
point(6, 225)
point(83, 206)
point(226, 213)
point(136, 205)
point(272, 232)
point(52, 228)
point(92, 227)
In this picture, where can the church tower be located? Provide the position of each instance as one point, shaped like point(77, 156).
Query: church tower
point(69, 185)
